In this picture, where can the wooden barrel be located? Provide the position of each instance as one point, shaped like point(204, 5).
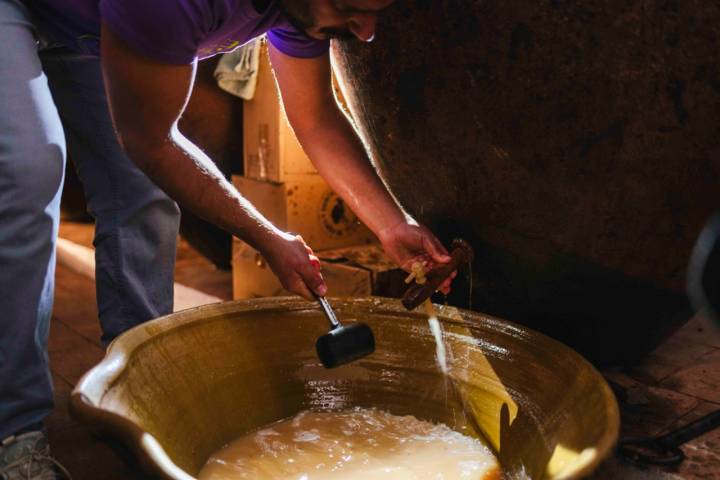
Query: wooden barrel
point(575, 144)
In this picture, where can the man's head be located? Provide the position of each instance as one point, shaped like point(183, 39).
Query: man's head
point(324, 19)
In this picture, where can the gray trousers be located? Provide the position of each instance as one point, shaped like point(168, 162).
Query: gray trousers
point(48, 99)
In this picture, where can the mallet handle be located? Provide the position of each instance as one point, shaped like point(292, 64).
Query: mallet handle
point(329, 312)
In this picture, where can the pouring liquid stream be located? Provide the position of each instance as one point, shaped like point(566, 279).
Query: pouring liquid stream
point(418, 274)
point(440, 350)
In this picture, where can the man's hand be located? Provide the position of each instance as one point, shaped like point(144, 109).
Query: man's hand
point(295, 265)
point(407, 243)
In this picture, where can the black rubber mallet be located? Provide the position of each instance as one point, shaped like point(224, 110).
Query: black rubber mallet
point(343, 343)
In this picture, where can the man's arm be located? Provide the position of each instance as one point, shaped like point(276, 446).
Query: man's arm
point(146, 100)
point(334, 148)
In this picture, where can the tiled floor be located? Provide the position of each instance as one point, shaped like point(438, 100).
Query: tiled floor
point(677, 383)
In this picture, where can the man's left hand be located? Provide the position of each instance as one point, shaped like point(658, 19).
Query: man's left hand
point(407, 243)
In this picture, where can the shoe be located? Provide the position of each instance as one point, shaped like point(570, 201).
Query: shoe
point(27, 457)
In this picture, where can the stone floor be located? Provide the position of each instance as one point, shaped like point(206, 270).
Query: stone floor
point(677, 383)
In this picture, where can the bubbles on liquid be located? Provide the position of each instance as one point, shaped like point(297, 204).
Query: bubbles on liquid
point(307, 436)
point(353, 445)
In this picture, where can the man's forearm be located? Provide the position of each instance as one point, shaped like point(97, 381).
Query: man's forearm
point(338, 154)
point(330, 141)
point(335, 149)
point(180, 168)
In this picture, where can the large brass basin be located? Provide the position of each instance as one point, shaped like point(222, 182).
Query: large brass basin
point(178, 388)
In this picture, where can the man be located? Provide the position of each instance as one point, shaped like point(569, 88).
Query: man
point(55, 56)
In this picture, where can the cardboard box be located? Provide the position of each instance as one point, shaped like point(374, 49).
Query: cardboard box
point(307, 206)
point(252, 277)
point(376, 275)
point(270, 149)
point(386, 279)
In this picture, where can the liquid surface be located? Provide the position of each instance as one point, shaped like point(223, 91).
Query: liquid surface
point(353, 445)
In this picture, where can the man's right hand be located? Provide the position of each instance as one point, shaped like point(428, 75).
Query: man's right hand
point(295, 265)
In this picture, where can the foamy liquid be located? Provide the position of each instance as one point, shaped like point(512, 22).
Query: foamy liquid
point(357, 444)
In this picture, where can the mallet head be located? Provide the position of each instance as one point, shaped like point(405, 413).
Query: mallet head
point(345, 344)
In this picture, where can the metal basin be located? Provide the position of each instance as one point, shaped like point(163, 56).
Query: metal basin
point(178, 388)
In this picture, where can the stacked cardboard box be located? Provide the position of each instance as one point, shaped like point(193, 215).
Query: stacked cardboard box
point(270, 149)
point(307, 206)
point(353, 263)
point(349, 272)
point(284, 186)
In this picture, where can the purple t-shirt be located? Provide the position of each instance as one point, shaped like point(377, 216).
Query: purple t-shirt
point(173, 31)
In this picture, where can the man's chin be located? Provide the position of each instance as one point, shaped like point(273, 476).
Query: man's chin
point(298, 14)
